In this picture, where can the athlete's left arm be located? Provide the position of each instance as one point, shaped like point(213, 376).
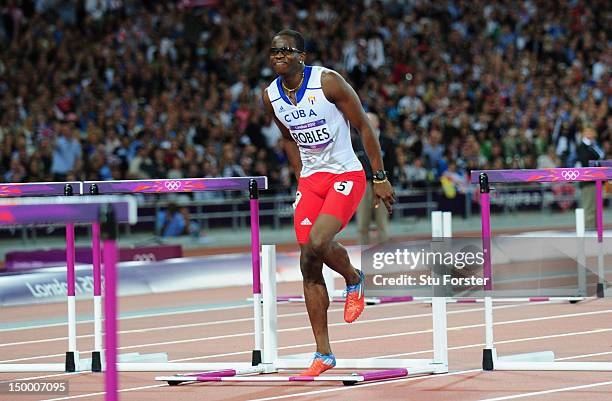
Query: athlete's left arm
point(339, 92)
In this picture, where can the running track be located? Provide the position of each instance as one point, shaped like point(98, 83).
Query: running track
point(216, 325)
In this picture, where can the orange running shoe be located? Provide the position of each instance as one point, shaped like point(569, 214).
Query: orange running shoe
point(355, 300)
point(320, 364)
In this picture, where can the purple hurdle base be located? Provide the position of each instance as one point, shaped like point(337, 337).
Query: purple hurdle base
point(368, 300)
point(233, 376)
point(530, 299)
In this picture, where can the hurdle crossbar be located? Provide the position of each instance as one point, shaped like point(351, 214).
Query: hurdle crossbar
point(534, 361)
point(177, 185)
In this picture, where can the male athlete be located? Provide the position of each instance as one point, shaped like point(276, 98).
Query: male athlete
point(313, 107)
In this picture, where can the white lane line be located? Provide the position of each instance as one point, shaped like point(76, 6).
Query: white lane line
point(151, 329)
point(583, 356)
point(571, 334)
point(551, 391)
point(239, 320)
point(392, 335)
point(393, 318)
point(140, 316)
point(293, 395)
point(344, 388)
point(246, 319)
point(102, 393)
point(44, 377)
point(517, 340)
point(290, 395)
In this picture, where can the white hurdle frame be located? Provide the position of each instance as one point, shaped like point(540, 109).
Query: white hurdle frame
point(272, 361)
point(542, 360)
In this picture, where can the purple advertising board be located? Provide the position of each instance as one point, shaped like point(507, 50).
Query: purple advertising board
point(49, 284)
point(39, 258)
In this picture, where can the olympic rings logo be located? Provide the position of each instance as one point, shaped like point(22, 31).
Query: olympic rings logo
point(570, 175)
point(172, 185)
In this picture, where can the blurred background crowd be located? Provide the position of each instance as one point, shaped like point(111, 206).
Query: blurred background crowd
point(135, 89)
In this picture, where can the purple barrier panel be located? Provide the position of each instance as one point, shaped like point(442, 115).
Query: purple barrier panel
point(62, 210)
point(600, 163)
point(150, 253)
point(215, 271)
point(38, 188)
point(178, 185)
point(25, 260)
point(546, 175)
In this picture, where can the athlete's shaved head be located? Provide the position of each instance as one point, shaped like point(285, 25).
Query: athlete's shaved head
point(297, 37)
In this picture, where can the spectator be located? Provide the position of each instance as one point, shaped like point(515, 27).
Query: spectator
point(496, 84)
point(170, 222)
point(588, 149)
point(66, 154)
point(365, 211)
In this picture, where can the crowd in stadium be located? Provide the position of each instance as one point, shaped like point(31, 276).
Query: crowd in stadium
point(133, 89)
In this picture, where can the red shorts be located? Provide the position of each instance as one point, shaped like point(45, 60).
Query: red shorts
point(326, 193)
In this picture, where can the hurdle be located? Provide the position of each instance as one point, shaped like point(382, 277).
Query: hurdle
point(581, 272)
point(159, 362)
point(14, 190)
point(439, 364)
point(61, 210)
point(272, 363)
point(544, 360)
point(601, 288)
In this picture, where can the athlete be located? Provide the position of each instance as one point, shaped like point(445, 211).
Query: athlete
point(314, 108)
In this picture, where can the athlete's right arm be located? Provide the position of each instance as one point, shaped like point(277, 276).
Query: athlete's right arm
point(291, 148)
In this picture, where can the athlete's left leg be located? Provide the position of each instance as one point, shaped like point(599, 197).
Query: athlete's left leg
point(340, 204)
point(322, 244)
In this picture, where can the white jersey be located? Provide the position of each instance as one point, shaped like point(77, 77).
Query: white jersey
point(321, 131)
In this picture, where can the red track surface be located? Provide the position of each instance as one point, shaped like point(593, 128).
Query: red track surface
point(569, 330)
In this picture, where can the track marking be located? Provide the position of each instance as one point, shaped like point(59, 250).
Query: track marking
point(307, 393)
point(192, 340)
point(154, 314)
point(334, 389)
point(583, 356)
point(239, 320)
point(552, 391)
point(126, 316)
point(45, 376)
point(289, 395)
point(102, 392)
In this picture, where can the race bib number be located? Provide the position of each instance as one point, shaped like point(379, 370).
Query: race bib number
point(344, 187)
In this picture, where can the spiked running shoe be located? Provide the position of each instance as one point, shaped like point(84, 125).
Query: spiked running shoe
point(355, 300)
point(320, 364)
